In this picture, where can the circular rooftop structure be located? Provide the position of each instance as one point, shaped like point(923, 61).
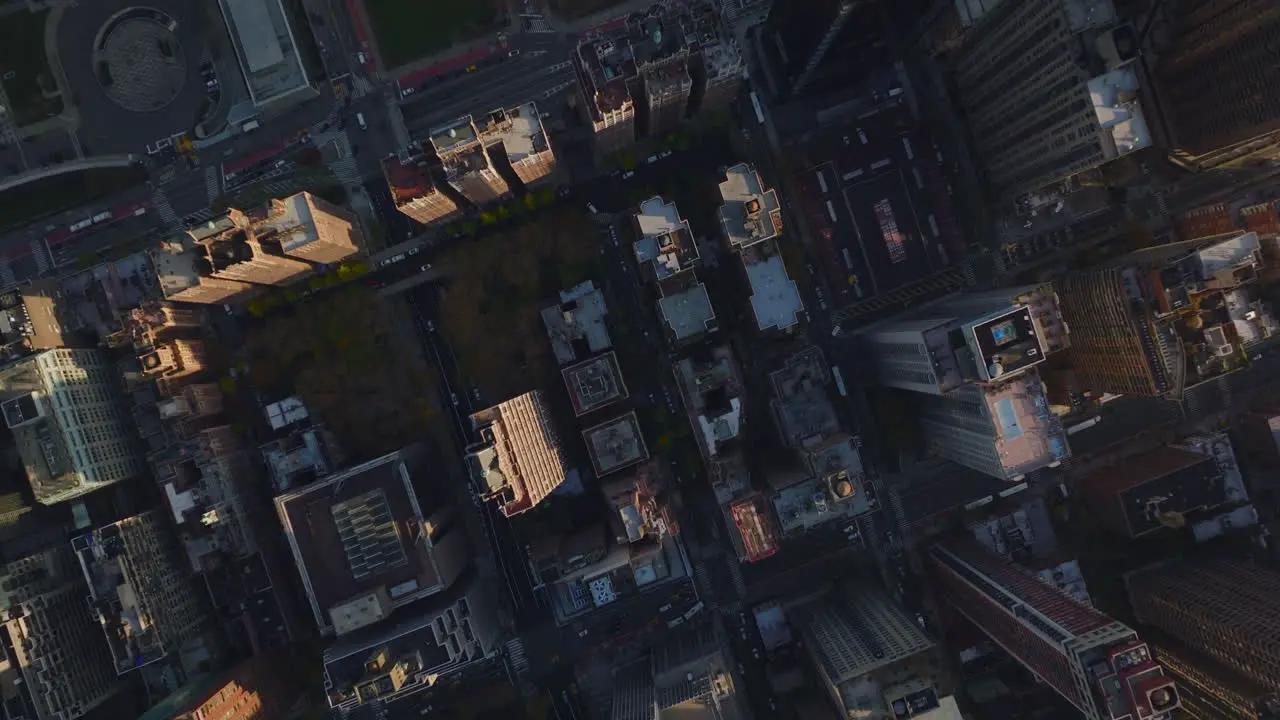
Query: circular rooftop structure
point(139, 61)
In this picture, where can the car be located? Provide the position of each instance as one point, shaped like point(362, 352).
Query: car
point(396, 258)
point(513, 53)
point(743, 633)
point(475, 394)
point(613, 234)
point(741, 670)
point(360, 58)
point(651, 159)
point(454, 398)
point(228, 309)
point(582, 633)
point(746, 134)
point(664, 154)
point(755, 653)
point(363, 126)
point(920, 621)
point(425, 268)
point(471, 68)
point(413, 250)
point(592, 208)
point(407, 92)
point(431, 326)
point(665, 608)
point(628, 174)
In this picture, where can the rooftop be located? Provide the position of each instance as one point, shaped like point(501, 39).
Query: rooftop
point(519, 129)
point(689, 312)
point(177, 265)
point(756, 528)
point(359, 530)
point(1119, 112)
point(576, 326)
point(750, 214)
point(1156, 489)
point(594, 383)
point(817, 501)
point(665, 238)
point(606, 66)
point(615, 444)
point(265, 48)
point(454, 136)
point(410, 178)
point(519, 460)
point(584, 580)
point(298, 458)
point(801, 404)
point(775, 298)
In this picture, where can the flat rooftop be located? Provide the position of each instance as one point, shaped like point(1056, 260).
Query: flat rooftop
point(520, 461)
point(756, 530)
point(265, 48)
point(576, 326)
point(802, 405)
point(408, 179)
point(451, 136)
point(606, 66)
point(775, 298)
point(750, 214)
point(594, 383)
point(1167, 479)
point(356, 531)
point(519, 129)
point(818, 501)
point(665, 238)
point(176, 265)
point(1006, 343)
point(615, 444)
point(688, 313)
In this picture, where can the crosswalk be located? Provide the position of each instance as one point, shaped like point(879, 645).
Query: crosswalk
point(212, 181)
point(536, 24)
point(41, 256)
point(515, 655)
point(735, 574)
point(161, 203)
point(703, 582)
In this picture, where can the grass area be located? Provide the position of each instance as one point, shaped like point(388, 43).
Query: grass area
point(490, 310)
point(22, 54)
point(407, 30)
point(36, 199)
point(574, 9)
point(346, 356)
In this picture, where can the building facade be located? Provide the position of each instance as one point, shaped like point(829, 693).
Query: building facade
point(1097, 664)
point(519, 461)
point(414, 188)
point(1226, 609)
point(67, 413)
point(311, 229)
point(515, 138)
point(57, 649)
point(465, 163)
point(260, 688)
point(140, 589)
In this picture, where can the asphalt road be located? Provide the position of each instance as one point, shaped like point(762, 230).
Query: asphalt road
point(541, 72)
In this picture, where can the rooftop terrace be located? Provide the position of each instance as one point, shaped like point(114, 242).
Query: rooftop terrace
point(750, 214)
point(665, 238)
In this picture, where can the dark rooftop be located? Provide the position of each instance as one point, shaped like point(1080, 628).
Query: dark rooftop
point(408, 180)
point(354, 531)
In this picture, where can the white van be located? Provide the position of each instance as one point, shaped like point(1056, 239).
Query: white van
point(360, 121)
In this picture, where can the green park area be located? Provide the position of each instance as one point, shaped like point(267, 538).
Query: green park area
point(406, 30)
point(574, 9)
point(345, 353)
point(24, 67)
point(501, 280)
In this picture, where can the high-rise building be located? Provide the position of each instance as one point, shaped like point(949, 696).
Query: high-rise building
point(427, 641)
point(604, 69)
point(276, 244)
point(1097, 664)
point(751, 219)
point(140, 589)
point(58, 649)
point(516, 138)
point(687, 675)
point(1041, 103)
point(259, 688)
point(414, 188)
point(311, 229)
point(817, 47)
point(1224, 608)
point(970, 360)
point(1214, 70)
point(465, 164)
point(1209, 689)
point(661, 53)
point(867, 650)
point(174, 363)
point(519, 461)
point(366, 543)
point(67, 413)
point(719, 69)
point(1162, 320)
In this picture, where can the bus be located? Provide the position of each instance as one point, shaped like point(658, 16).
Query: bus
point(835, 373)
point(755, 103)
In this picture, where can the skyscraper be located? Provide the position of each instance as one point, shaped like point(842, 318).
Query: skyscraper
point(970, 361)
point(1096, 663)
point(1162, 320)
point(1225, 608)
point(818, 46)
point(1216, 72)
point(414, 189)
point(466, 165)
point(1040, 103)
point(519, 460)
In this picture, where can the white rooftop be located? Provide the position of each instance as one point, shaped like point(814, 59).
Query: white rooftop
point(688, 313)
point(579, 316)
point(775, 299)
point(1119, 112)
point(749, 213)
point(257, 34)
point(726, 426)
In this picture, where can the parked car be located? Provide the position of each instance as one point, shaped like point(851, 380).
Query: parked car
point(425, 268)
point(593, 209)
point(628, 174)
point(513, 53)
point(407, 92)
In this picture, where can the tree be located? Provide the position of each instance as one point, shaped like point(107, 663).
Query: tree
point(546, 195)
point(503, 212)
point(488, 218)
point(470, 227)
point(627, 161)
point(530, 201)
